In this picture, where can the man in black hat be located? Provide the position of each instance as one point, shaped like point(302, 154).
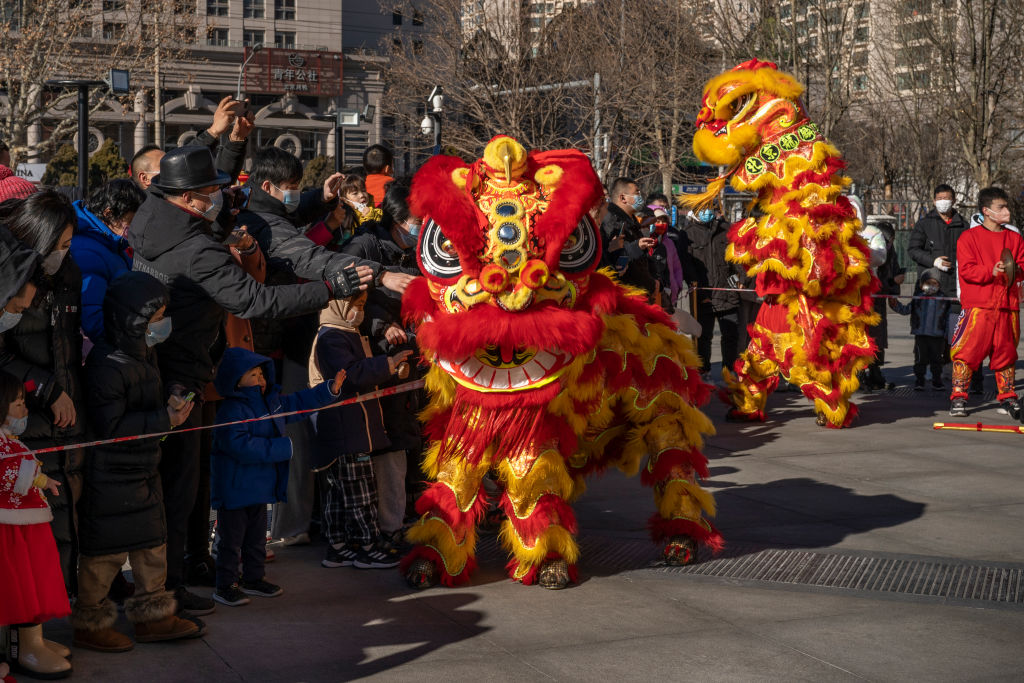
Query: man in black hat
point(173, 238)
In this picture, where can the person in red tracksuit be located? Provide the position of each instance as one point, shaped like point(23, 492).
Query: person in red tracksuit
point(989, 325)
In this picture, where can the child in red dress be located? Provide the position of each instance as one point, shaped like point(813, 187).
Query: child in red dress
point(990, 263)
point(31, 583)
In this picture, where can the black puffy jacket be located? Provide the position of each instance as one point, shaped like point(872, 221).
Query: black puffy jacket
point(290, 256)
point(121, 508)
point(930, 238)
point(631, 261)
point(45, 352)
point(702, 253)
point(175, 246)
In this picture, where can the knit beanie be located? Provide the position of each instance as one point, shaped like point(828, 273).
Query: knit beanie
point(13, 187)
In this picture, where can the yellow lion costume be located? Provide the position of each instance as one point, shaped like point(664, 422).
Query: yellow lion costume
point(543, 370)
point(811, 265)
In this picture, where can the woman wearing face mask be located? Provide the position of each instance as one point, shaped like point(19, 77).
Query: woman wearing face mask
point(99, 246)
point(44, 351)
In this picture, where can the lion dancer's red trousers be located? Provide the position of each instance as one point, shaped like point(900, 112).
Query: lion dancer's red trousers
point(985, 333)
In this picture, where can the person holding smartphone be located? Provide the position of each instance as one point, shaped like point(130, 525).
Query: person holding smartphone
point(626, 246)
point(121, 515)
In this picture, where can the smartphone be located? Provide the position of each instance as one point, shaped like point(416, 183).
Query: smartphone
point(234, 238)
point(190, 396)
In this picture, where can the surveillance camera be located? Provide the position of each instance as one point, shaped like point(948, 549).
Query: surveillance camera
point(427, 125)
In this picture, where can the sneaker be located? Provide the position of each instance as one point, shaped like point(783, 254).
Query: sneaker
point(298, 539)
point(196, 605)
point(1011, 407)
point(262, 588)
point(937, 384)
point(270, 555)
point(339, 557)
point(376, 557)
point(919, 384)
point(958, 408)
point(232, 596)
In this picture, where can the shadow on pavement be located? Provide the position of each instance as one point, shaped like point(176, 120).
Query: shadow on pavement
point(387, 643)
point(803, 512)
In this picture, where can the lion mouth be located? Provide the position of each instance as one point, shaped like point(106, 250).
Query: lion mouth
point(506, 368)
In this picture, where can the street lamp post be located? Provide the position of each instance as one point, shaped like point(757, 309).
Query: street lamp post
point(241, 70)
point(83, 86)
point(342, 118)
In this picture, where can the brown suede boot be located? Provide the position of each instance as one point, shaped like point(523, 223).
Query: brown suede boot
point(103, 640)
point(170, 627)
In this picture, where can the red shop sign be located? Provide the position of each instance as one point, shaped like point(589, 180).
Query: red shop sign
point(303, 72)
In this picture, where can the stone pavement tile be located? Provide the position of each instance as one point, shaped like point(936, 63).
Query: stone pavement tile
point(527, 618)
point(867, 465)
point(907, 641)
point(961, 489)
point(497, 668)
point(724, 654)
point(976, 534)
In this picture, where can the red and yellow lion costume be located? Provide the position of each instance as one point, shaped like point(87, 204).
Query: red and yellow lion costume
point(810, 263)
point(543, 369)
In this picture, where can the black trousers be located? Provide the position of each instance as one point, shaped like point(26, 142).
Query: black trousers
point(65, 468)
point(179, 473)
point(728, 327)
point(747, 315)
point(241, 535)
point(197, 545)
point(929, 352)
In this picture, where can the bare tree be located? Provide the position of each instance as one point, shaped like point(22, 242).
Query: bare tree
point(48, 39)
point(961, 64)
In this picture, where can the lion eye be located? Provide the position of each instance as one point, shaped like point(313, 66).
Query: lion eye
point(438, 255)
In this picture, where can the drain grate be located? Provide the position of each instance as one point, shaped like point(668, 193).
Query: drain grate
point(950, 580)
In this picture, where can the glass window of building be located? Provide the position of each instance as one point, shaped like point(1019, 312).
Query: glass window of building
point(252, 9)
point(284, 40)
point(217, 8)
point(250, 38)
point(284, 9)
point(217, 36)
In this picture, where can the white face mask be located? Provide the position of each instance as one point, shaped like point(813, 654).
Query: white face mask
point(943, 205)
point(16, 426)
point(51, 264)
point(9, 320)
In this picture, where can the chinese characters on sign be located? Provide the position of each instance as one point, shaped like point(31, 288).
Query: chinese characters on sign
point(302, 72)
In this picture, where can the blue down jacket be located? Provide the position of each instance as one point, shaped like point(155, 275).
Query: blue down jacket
point(249, 462)
point(101, 255)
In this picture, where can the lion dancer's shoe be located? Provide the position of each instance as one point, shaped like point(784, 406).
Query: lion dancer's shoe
point(682, 504)
point(445, 536)
point(541, 526)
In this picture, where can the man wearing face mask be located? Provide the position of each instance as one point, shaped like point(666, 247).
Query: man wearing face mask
point(702, 246)
point(172, 238)
point(625, 245)
point(933, 244)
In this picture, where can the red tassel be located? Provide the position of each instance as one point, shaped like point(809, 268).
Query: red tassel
point(550, 509)
point(430, 554)
point(663, 529)
point(670, 460)
point(440, 500)
point(530, 577)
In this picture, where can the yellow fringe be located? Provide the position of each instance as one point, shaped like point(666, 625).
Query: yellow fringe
point(556, 539)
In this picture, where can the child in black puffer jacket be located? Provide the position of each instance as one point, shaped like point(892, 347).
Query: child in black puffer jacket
point(121, 512)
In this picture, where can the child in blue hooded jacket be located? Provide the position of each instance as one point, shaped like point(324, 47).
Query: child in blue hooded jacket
point(249, 466)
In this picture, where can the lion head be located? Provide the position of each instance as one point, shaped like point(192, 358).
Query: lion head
point(743, 107)
point(508, 252)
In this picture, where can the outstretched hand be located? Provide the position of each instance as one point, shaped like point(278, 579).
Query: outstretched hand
point(52, 486)
point(339, 379)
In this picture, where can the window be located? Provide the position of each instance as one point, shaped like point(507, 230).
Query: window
point(284, 9)
point(252, 9)
point(912, 80)
point(284, 40)
point(862, 10)
point(217, 8)
point(417, 18)
point(250, 38)
point(860, 34)
point(860, 83)
point(860, 58)
point(84, 28)
point(396, 18)
point(113, 31)
point(217, 36)
point(417, 46)
point(113, 5)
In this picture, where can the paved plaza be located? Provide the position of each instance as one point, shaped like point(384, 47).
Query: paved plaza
point(886, 552)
